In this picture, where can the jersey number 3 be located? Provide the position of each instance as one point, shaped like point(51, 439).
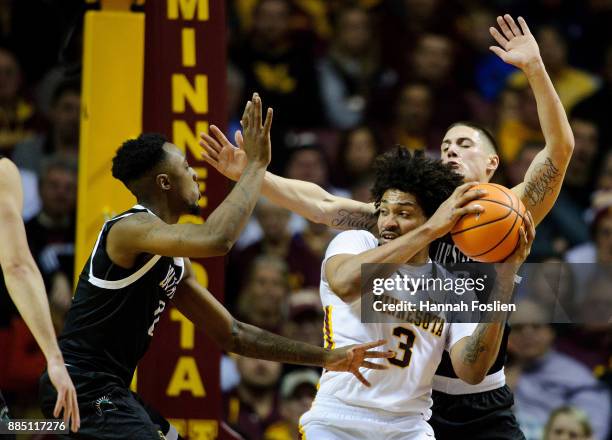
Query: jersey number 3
point(406, 340)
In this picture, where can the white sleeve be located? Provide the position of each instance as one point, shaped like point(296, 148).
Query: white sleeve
point(458, 331)
point(349, 242)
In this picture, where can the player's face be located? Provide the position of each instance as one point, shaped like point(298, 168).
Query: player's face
point(465, 150)
point(399, 213)
point(183, 180)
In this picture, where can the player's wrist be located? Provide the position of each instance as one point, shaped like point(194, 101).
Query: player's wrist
point(55, 359)
point(534, 68)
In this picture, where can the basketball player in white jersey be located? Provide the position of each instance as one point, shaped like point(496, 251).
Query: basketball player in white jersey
point(471, 151)
point(398, 407)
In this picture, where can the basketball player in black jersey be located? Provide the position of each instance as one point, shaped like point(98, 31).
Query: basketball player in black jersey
point(140, 262)
point(475, 412)
point(27, 290)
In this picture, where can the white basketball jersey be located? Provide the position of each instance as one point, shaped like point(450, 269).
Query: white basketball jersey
point(405, 386)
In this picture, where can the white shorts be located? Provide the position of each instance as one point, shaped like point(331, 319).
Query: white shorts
point(331, 419)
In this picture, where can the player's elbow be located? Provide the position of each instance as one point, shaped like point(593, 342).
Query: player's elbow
point(19, 268)
point(344, 287)
point(217, 247)
point(227, 337)
point(224, 245)
point(471, 374)
point(473, 377)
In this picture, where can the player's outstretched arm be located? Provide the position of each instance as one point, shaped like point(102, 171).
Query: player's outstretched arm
point(473, 356)
point(144, 233)
point(304, 198)
point(202, 308)
point(544, 178)
point(27, 290)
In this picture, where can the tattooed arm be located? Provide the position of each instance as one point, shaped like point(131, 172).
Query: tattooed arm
point(317, 205)
point(473, 356)
point(304, 198)
point(543, 180)
point(203, 309)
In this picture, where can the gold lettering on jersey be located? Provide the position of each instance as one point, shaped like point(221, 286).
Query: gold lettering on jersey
point(427, 321)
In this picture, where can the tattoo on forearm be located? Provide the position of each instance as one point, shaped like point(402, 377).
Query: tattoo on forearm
point(541, 185)
point(353, 220)
point(475, 345)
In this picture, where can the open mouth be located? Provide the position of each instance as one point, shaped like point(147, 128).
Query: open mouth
point(388, 235)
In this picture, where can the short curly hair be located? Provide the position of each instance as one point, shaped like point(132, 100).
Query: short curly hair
point(429, 180)
point(137, 156)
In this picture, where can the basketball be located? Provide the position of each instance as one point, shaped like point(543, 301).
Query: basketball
point(492, 235)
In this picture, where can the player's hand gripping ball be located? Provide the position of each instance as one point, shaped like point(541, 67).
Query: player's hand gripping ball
point(492, 235)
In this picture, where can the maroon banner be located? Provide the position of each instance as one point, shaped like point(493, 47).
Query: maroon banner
point(184, 91)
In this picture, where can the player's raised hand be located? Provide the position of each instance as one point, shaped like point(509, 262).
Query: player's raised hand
point(353, 357)
point(66, 395)
point(517, 46)
point(222, 155)
point(257, 145)
point(453, 208)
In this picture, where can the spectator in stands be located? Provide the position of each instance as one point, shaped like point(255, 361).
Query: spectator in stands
point(518, 122)
point(262, 297)
point(405, 21)
point(253, 406)
point(356, 153)
point(360, 189)
point(572, 84)
point(568, 423)
point(301, 251)
point(275, 65)
point(304, 317)
point(308, 162)
point(297, 392)
point(433, 62)
point(18, 119)
point(51, 234)
point(412, 125)
point(581, 171)
point(482, 70)
point(351, 72)
point(544, 379)
point(63, 135)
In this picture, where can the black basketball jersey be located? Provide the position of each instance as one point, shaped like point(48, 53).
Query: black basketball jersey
point(445, 252)
point(114, 311)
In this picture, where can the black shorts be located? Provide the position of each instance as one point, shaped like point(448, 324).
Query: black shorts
point(478, 416)
point(107, 408)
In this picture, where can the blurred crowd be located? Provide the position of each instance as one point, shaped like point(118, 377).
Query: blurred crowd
point(347, 81)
